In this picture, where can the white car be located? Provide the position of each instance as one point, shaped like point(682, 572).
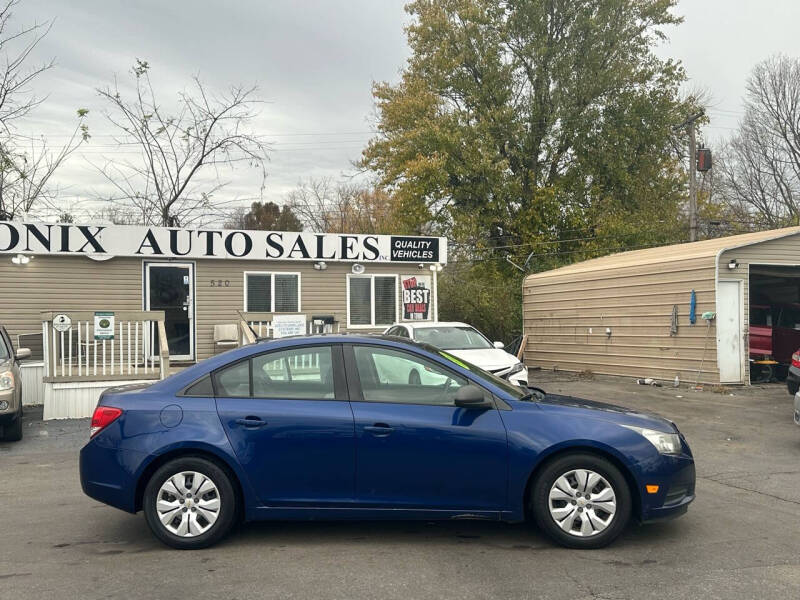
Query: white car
point(465, 342)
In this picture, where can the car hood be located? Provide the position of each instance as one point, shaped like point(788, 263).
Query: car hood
point(489, 359)
point(5, 363)
point(571, 406)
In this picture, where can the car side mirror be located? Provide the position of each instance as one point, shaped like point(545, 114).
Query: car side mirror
point(23, 353)
point(471, 396)
point(499, 345)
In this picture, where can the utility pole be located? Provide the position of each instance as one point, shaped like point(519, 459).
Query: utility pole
point(689, 123)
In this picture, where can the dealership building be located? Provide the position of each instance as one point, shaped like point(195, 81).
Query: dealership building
point(98, 304)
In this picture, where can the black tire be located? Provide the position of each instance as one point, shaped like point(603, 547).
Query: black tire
point(540, 491)
point(792, 386)
point(13, 431)
point(227, 510)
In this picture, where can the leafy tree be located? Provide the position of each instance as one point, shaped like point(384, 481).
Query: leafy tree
point(27, 164)
point(330, 207)
point(266, 217)
point(535, 130)
point(184, 154)
point(760, 166)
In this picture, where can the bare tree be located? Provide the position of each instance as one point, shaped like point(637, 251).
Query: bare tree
point(182, 156)
point(27, 164)
point(759, 169)
point(325, 206)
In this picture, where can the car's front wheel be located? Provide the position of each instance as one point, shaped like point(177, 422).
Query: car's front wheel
point(581, 501)
point(190, 503)
point(13, 431)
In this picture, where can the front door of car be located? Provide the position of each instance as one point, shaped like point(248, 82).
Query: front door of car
point(414, 448)
point(288, 419)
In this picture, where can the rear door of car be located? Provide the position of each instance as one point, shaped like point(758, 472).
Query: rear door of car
point(415, 448)
point(287, 415)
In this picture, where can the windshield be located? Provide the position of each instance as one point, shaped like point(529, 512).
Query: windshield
point(4, 354)
point(515, 391)
point(452, 338)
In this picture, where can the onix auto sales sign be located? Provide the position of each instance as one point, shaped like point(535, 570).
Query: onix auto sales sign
point(107, 241)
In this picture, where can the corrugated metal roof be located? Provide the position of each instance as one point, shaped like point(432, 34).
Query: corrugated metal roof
point(675, 252)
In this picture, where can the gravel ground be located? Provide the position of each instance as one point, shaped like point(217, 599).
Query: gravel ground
point(740, 538)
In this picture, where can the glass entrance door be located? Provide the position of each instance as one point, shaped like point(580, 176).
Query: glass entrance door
point(170, 287)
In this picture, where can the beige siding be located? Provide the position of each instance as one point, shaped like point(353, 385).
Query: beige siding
point(65, 283)
point(566, 316)
point(51, 283)
point(321, 292)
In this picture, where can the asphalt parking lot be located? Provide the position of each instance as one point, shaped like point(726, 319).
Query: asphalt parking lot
point(740, 538)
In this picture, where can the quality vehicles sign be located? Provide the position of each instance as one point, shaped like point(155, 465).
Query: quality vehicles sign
point(101, 242)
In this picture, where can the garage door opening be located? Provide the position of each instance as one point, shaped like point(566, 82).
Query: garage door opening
point(774, 321)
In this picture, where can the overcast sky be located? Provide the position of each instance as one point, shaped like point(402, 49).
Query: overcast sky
point(314, 62)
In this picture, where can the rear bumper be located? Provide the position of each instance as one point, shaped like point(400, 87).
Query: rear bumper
point(109, 475)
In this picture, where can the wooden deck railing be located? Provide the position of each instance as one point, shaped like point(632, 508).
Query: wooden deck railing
point(76, 355)
point(260, 323)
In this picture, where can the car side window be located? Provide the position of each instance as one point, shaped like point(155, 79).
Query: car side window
point(202, 387)
point(402, 332)
point(399, 377)
point(300, 373)
point(233, 381)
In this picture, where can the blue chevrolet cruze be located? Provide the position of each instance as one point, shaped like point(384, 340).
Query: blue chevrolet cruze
point(359, 427)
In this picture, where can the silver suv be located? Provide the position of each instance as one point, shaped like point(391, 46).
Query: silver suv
point(10, 388)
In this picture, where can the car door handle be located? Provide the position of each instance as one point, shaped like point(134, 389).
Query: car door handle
point(251, 422)
point(379, 429)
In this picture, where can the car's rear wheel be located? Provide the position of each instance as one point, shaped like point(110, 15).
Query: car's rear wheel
point(581, 501)
point(190, 503)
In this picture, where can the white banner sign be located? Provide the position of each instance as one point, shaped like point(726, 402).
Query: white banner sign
point(101, 242)
point(287, 325)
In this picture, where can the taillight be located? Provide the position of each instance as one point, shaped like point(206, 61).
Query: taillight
point(796, 359)
point(103, 417)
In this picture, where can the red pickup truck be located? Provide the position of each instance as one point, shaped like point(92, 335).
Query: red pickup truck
point(774, 337)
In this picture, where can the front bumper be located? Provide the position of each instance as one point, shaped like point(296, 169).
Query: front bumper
point(10, 414)
point(676, 478)
point(793, 380)
point(797, 408)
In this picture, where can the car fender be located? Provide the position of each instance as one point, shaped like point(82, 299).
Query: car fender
point(223, 453)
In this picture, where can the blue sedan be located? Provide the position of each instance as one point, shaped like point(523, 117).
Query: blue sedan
point(339, 427)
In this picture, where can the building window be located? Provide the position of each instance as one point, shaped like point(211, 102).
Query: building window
point(272, 292)
point(371, 300)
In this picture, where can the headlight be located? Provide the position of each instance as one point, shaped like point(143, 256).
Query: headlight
point(515, 369)
point(665, 443)
point(6, 380)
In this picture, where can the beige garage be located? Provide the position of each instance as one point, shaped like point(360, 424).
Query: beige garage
point(629, 313)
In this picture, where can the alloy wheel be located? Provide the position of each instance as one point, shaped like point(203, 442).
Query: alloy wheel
point(582, 502)
point(188, 504)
